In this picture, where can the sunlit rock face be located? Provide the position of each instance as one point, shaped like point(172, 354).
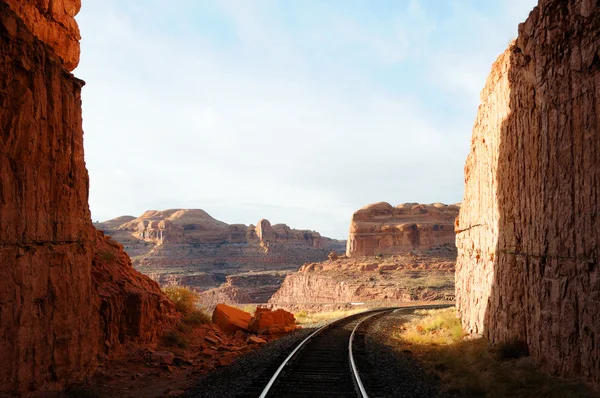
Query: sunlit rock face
point(66, 293)
point(528, 233)
point(191, 248)
point(380, 228)
point(46, 233)
point(53, 23)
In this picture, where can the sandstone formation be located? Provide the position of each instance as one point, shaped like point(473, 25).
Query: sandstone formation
point(382, 280)
point(53, 23)
point(247, 288)
point(528, 235)
point(189, 247)
point(381, 228)
point(55, 317)
point(264, 321)
point(132, 307)
point(230, 319)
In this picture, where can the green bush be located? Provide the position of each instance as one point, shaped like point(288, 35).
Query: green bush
point(185, 299)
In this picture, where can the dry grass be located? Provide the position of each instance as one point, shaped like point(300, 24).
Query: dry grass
point(304, 318)
point(185, 299)
point(186, 302)
point(474, 368)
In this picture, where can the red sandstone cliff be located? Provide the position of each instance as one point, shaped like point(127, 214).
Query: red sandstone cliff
point(380, 228)
point(60, 306)
point(528, 235)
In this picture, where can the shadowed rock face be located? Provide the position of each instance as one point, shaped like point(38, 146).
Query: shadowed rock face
point(46, 235)
point(55, 316)
point(528, 234)
point(381, 228)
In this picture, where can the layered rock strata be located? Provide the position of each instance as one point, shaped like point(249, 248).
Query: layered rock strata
point(55, 317)
point(191, 248)
point(528, 235)
point(384, 280)
point(380, 228)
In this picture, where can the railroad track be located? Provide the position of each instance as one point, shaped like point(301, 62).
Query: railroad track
point(325, 364)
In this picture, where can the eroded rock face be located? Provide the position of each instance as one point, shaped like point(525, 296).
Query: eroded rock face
point(132, 307)
point(53, 23)
point(45, 250)
point(54, 317)
point(528, 232)
point(191, 248)
point(380, 228)
point(386, 280)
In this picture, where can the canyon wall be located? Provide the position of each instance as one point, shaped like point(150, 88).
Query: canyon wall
point(380, 228)
point(528, 233)
point(387, 281)
point(56, 317)
point(45, 252)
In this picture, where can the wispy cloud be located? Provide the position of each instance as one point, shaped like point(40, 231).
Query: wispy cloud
point(305, 110)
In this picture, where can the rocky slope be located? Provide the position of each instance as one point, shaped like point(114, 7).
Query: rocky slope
point(60, 305)
point(382, 280)
point(189, 247)
point(380, 228)
point(528, 231)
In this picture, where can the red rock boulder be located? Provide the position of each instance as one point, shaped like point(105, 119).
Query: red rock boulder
point(266, 321)
point(230, 319)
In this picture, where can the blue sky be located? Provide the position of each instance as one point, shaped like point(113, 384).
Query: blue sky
point(299, 111)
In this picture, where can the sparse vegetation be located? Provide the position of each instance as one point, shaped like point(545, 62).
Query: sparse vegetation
point(185, 299)
point(196, 317)
point(304, 318)
point(474, 368)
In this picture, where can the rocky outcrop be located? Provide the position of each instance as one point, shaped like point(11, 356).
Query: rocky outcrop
point(191, 248)
point(381, 228)
point(54, 317)
point(53, 23)
point(528, 235)
point(245, 288)
point(386, 281)
point(132, 307)
point(195, 226)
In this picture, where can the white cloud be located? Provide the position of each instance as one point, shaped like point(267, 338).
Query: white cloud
point(253, 130)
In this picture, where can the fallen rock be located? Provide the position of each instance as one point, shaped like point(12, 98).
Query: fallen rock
point(256, 340)
point(230, 319)
point(239, 335)
point(165, 357)
point(266, 321)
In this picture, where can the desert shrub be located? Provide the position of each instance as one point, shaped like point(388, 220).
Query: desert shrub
point(185, 299)
point(171, 338)
point(196, 317)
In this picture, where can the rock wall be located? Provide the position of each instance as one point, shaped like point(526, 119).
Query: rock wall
point(387, 281)
point(52, 22)
point(45, 252)
point(55, 318)
point(380, 228)
point(529, 228)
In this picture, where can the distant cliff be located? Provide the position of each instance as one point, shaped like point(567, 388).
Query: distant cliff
point(189, 247)
point(381, 228)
